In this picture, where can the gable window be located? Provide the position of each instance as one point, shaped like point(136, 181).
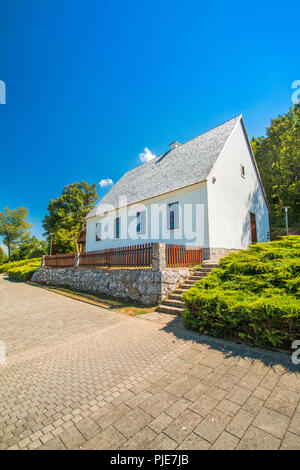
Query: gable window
point(141, 222)
point(98, 232)
point(243, 173)
point(173, 216)
point(117, 227)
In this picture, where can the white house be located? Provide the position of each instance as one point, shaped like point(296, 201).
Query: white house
point(205, 192)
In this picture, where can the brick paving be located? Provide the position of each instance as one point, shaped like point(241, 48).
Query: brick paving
point(79, 376)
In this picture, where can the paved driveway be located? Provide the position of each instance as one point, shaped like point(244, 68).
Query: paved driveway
point(79, 376)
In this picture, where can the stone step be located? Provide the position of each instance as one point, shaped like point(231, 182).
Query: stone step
point(181, 290)
point(196, 278)
point(210, 265)
point(173, 303)
point(175, 296)
point(187, 281)
point(168, 309)
point(186, 286)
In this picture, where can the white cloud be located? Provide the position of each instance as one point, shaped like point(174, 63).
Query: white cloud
point(105, 182)
point(146, 155)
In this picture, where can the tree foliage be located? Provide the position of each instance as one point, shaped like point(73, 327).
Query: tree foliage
point(3, 257)
point(66, 215)
point(14, 227)
point(278, 158)
point(30, 247)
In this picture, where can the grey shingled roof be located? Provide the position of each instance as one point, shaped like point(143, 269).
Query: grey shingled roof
point(187, 164)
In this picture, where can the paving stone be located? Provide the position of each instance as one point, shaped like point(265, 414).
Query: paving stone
point(182, 426)
point(132, 422)
point(195, 392)
point(283, 401)
point(53, 444)
point(212, 426)
point(108, 439)
point(181, 385)
point(72, 438)
point(225, 441)
point(203, 405)
point(253, 405)
point(162, 442)
point(290, 442)
point(240, 423)
point(158, 403)
point(178, 407)
point(256, 439)
point(88, 428)
point(161, 422)
point(228, 407)
point(238, 395)
point(295, 424)
point(272, 422)
point(194, 442)
point(261, 393)
point(140, 440)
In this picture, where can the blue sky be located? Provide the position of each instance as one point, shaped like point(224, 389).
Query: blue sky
point(91, 84)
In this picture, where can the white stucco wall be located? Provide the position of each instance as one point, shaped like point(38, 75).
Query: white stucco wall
point(192, 230)
point(231, 198)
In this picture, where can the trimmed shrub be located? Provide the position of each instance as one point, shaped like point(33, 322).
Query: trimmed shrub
point(24, 272)
point(253, 295)
point(4, 268)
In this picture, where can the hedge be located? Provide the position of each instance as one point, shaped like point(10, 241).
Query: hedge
point(21, 270)
point(253, 295)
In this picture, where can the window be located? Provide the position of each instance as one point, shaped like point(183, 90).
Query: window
point(243, 174)
point(173, 216)
point(141, 222)
point(98, 232)
point(117, 227)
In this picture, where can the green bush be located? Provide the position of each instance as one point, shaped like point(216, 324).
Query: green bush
point(24, 272)
point(6, 267)
point(252, 295)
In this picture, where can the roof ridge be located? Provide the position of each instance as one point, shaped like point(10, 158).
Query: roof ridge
point(190, 140)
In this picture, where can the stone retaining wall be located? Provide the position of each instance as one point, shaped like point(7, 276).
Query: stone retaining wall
point(147, 286)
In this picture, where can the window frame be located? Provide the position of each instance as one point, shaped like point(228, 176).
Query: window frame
point(175, 217)
point(117, 227)
point(98, 239)
point(141, 222)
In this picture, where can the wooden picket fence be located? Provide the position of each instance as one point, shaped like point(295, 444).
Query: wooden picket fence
point(181, 255)
point(128, 256)
point(60, 260)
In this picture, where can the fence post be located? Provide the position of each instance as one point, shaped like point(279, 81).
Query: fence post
point(158, 262)
point(76, 260)
point(43, 261)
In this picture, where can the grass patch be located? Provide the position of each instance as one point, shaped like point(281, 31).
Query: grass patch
point(127, 306)
point(253, 296)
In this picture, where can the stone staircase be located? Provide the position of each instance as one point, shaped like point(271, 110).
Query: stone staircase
point(174, 304)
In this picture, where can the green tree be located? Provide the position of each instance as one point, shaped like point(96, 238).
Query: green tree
point(278, 158)
point(3, 257)
point(66, 215)
point(13, 227)
point(30, 247)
